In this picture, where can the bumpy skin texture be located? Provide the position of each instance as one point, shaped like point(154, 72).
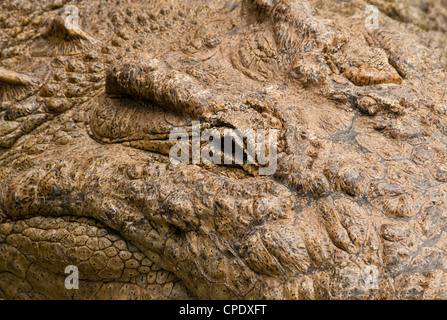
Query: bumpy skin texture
point(361, 175)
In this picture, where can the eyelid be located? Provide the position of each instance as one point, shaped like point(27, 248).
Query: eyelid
point(155, 80)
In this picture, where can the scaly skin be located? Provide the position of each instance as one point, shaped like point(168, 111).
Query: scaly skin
point(85, 117)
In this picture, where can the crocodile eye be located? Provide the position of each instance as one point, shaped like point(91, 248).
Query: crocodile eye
point(229, 152)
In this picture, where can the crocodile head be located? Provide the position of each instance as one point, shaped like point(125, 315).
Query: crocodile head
point(92, 95)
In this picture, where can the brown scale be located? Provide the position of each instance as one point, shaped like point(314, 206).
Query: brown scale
point(343, 179)
point(370, 76)
point(402, 206)
point(202, 38)
point(257, 57)
point(331, 221)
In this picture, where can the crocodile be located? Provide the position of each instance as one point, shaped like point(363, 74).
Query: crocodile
point(91, 92)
